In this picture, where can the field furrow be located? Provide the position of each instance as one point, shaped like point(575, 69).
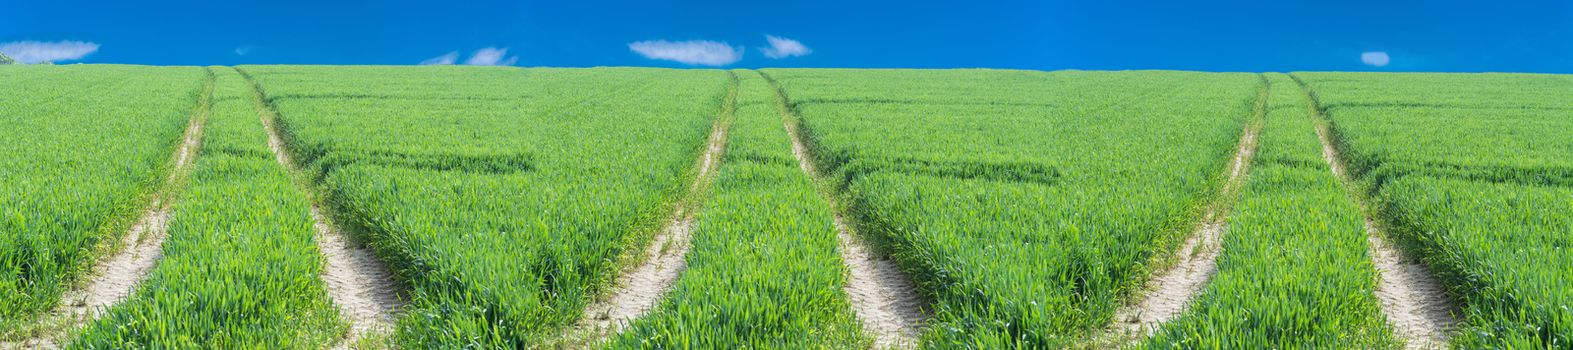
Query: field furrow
point(86, 165)
point(239, 268)
point(364, 291)
point(968, 240)
point(115, 276)
point(1412, 299)
point(595, 160)
point(1171, 291)
point(639, 289)
point(762, 271)
point(1301, 280)
point(1495, 241)
point(882, 295)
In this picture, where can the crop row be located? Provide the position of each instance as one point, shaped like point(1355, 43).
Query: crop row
point(1014, 263)
point(1026, 206)
point(1294, 272)
point(84, 148)
point(592, 158)
point(240, 267)
point(1472, 182)
point(763, 271)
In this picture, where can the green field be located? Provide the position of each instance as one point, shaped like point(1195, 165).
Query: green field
point(84, 149)
point(1026, 207)
point(1301, 282)
point(1474, 172)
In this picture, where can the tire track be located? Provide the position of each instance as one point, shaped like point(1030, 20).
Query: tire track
point(1413, 300)
point(114, 279)
point(361, 287)
point(1169, 293)
point(638, 289)
point(882, 296)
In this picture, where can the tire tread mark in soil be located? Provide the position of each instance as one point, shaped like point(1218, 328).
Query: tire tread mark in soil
point(114, 279)
point(362, 288)
point(882, 296)
point(639, 287)
point(1412, 299)
point(1170, 292)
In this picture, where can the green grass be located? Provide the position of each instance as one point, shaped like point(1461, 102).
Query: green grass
point(1052, 193)
point(1026, 206)
point(1506, 247)
point(763, 271)
point(240, 267)
point(1472, 171)
point(505, 197)
point(1294, 272)
point(84, 148)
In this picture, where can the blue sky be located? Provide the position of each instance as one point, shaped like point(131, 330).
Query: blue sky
point(1263, 35)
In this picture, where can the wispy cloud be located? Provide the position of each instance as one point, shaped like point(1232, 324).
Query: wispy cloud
point(487, 56)
point(447, 58)
point(491, 56)
point(244, 50)
point(1375, 58)
point(692, 52)
point(30, 52)
point(782, 48)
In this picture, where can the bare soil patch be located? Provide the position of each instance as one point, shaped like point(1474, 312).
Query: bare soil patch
point(638, 290)
point(1412, 299)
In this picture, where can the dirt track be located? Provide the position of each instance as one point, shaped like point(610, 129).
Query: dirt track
point(1412, 298)
point(362, 288)
point(638, 290)
point(882, 296)
point(115, 277)
point(1171, 291)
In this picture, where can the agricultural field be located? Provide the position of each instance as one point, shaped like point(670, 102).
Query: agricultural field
point(763, 272)
point(1014, 209)
point(240, 266)
point(1306, 282)
point(1473, 172)
point(504, 198)
point(1026, 204)
point(83, 149)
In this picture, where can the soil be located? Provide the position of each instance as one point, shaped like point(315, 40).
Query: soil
point(1171, 291)
point(362, 288)
point(114, 279)
point(882, 296)
point(1411, 297)
point(637, 291)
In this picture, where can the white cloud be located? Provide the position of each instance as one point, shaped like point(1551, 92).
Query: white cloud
point(491, 56)
point(244, 50)
point(693, 52)
point(1375, 58)
point(447, 58)
point(782, 48)
point(29, 52)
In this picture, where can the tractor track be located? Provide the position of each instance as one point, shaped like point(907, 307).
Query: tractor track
point(1412, 299)
point(365, 292)
point(638, 288)
point(1170, 292)
point(882, 296)
point(114, 279)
